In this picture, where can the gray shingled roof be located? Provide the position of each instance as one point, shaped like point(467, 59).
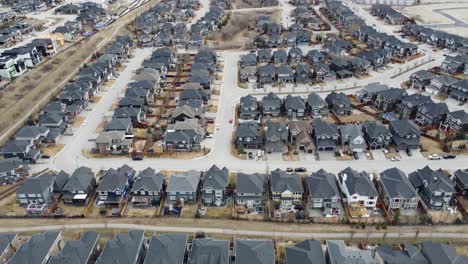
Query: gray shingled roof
point(6, 240)
point(166, 249)
point(283, 181)
point(119, 124)
point(322, 184)
point(250, 183)
point(124, 249)
point(77, 251)
point(216, 178)
point(397, 184)
point(436, 180)
point(437, 252)
point(404, 127)
point(338, 253)
point(148, 180)
point(209, 251)
point(36, 249)
point(37, 184)
point(79, 180)
point(314, 100)
point(115, 179)
point(375, 129)
point(184, 182)
point(322, 127)
point(462, 175)
point(305, 252)
point(10, 164)
point(359, 183)
point(390, 256)
point(255, 251)
point(294, 102)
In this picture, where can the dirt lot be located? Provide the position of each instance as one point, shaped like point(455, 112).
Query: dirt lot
point(218, 212)
point(27, 94)
point(141, 212)
point(430, 147)
point(236, 33)
point(357, 117)
point(443, 216)
point(9, 207)
point(71, 210)
point(77, 121)
point(240, 4)
point(52, 149)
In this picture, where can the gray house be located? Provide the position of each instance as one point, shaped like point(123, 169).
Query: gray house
point(434, 187)
point(385, 254)
point(214, 186)
point(38, 249)
point(251, 251)
point(248, 136)
point(376, 134)
point(352, 138)
point(81, 251)
point(409, 105)
point(431, 114)
point(166, 249)
point(79, 187)
point(305, 252)
point(114, 185)
point(286, 188)
point(209, 251)
point(147, 188)
point(460, 178)
point(325, 135)
point(37, 190)
point(316, 106)
point(405, 134)
point(11, 169)
point(9, 242)
point(338, 253)
point(339, 103)
point(249, 108)
point(294, 107)
point(436, 252)
point(323, 192)
point(396, 190)
point(271, 105)
point(250, 191)
point(276, 136)
point(183, 187)
point(126, 248)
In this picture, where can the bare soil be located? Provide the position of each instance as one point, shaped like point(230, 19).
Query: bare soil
point(52, 149)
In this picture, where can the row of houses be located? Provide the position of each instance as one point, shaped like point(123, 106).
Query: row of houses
point(13, 33)
point(305, 17)
point(436, 38)
point(390, 15)
point(133, 247)
point(54, 119)
point(87, 13)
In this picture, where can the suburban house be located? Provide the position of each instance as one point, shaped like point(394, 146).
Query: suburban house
point(339, 103)
point(113, 142)
point(294, 107)
point(316, 106)
point(249, 108)
point(456, 121)
point(338, 253)
point(148, 188)
point(459, 91)
point(209, 251)
point(440, 84)
point(78, 190)
point(80, 251)
point(250, 191)
point(38, 249)
point(255, 251)
point(408, 254)
point(323, 193)
point(431, 114)
point(248, 136)
point(305, 252)
point(129, 247)
point(215, 185)
point(376, 134)
point(286, 188)
point(183, 187)
point(434, 187)
point(166, 248)
point(23, 149)
point(325, 134)
point(114, 186)
point(405, 134)
point(41, 189)
point(276, 136)
point(369, 92)
point(437, 252)
point(271, 105)
point(120, 124)
point(352, 138)
point(357, 187)
point(410, 104)
point(388, 99)
point(11, 169)
point(460, 178)
point(183, 136)
point(300, 135)
point(37, 134)
point(396, 190)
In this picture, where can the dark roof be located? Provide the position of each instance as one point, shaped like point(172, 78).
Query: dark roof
point(79, 180)
point(397, 184)
point(255, 251)
point(166, 249)
point(148, 180)
point(322, 127)
point(390, 256)
point(322, 184)
point(250, 183)
point(283, 181)
point(359, 183)
point(435, 180)
point(216, 178)
point(209, 251)
point(437, 252)
point(36, 249)
point(77, 251)
point(305, 252)
point(125, 248)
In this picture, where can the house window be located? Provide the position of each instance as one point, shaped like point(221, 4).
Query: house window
point(437, 194)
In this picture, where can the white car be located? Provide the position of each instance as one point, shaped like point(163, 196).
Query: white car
point(217, 126)
point(385, 151)
point(84, 123)
point(395, 159)
point(434, 157)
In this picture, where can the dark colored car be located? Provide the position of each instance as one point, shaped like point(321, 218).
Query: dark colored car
point(289, 169)
point(45, 156)
point(137, 157)
point(449, 156)
point(408, 151)
point(355, 155)
point(300, 169)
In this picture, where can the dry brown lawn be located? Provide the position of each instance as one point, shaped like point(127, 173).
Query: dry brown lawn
point(88, 154)
point(241, 4)
point(290, 157)
point(52, 149)
point(77, 121)
point(430, 147)
point(357, 118)
point(71, 210)
point(344, 157)
point(101, 126)
point(139, 132)
point(95, 212)
point(444, 216)
point(218, 212)
point(462, 250)
point(96, 99)
point(139, 145)
point(189, 211)
point(9, 207)
point(210, 128)
point(142, 212)
point(213, 109)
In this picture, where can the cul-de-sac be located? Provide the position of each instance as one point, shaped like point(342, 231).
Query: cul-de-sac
point(234, 131)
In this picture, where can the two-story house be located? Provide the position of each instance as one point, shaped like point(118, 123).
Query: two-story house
point(323, 193)
point(276, 136)
point(271, 105)
point(125, 246)
point(456, 121)
point(396, 190)
point(250, 191)
point(248, 136)
point(38, 249)
point(294, 107)
point(316, 106)
point(376, 134)
point(249, 108)
point(78, 190)
point(352, 138)
point(460, 178)
point(405, 134)
point(41, 189)
point(431, 114)
point(114, 186)
point(361, 194)
point(325, 135)
point(388, 99)
point(409, 105)
point(286, 188)
point(214, 188)
point(113, 142)
point(434, 187)
point(183, 187)
point(82, 250)
point(148, 188)
point(339, 103)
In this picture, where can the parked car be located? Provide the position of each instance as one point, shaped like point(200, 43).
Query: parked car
point(208, 135)
point(449, 156)
point(45, 156)
point(408, 151)
point(434, 157)
point(137, 157)
point(289, 169)
point(230, 121)
point(300, 169)
point(395, 159)
point(355, 155)
point(217, 126)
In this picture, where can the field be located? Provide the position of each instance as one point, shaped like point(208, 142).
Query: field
point(9, 207)
point(218, 212)
point(141, 212)
point(237, 31)
point(430, 147)
point(71, 210)
point(52, 150)
point(240, 4)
